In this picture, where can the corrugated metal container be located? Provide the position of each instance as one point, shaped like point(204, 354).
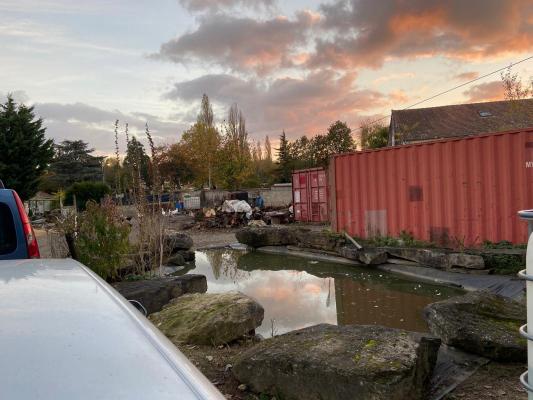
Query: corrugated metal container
point(460, 191)
point(310, 195)
point(191, 202)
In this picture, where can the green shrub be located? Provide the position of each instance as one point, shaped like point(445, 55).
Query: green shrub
point(504, 244)
point(84, 192)
point(102, 241)
point(504, 264)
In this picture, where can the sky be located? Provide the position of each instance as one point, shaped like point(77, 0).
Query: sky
point(290, 65)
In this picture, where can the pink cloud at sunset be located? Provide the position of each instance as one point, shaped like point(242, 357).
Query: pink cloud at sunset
point(294, 66)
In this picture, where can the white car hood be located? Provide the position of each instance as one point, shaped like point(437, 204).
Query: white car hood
point(66, 334)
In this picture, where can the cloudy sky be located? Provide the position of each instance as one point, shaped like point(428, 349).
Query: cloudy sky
point(294, 65)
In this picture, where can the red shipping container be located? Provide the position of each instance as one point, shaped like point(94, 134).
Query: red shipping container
point(310, 195)
point(458, 191)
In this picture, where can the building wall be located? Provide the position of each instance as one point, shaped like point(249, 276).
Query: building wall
point(277, 196)
point(451, 191)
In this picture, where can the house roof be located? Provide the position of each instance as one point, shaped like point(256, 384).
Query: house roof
point(461, 120)
point(42, 196)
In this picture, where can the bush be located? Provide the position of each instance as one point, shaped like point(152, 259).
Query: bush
point(84, 192)
point(102, 241)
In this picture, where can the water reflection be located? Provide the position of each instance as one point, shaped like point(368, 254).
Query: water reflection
point(297, 292)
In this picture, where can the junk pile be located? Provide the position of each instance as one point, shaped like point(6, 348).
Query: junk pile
point(239, 213)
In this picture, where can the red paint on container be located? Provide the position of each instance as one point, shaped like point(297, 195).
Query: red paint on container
point(310, 195)
point(458, 191)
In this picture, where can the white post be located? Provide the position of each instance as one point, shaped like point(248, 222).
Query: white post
point(527, 380)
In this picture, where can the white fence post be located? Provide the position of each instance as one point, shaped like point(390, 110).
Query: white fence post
point(527, 377)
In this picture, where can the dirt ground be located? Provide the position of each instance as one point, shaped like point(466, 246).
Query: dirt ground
point(216, 363)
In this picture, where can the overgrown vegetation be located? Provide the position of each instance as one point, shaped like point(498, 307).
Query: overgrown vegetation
point(503, 263)
point(504, 244)
point(102, 240)
point(82, 192)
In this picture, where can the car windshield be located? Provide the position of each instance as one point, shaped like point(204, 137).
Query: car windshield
point(8, 237)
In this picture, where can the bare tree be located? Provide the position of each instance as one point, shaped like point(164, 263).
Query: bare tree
point(513, 86)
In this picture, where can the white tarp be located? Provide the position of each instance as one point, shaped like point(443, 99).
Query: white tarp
point(231, 206)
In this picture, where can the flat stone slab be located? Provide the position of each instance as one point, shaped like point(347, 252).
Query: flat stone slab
point(153, 294)
point(503, 285)
point(481, 323)
point(328, 362)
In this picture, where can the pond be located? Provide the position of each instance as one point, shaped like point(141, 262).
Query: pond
point(298, 292)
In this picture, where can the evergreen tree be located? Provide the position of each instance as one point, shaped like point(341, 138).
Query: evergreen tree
point(284, 170)
point(137, 161)
point(24, 150)
point(73, 162)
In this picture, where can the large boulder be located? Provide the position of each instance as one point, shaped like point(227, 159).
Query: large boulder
point(176, 241)
point(209, 318)
point(180, 257)
point(341, 362)
point(188, 255)
point(175, 260)
point(482, 323)
point(153, 294)
point(256, 236)
point(319, 240)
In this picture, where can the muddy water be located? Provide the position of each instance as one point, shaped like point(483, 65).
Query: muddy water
point(298, 292)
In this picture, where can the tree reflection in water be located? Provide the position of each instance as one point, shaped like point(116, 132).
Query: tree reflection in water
point(298, 292)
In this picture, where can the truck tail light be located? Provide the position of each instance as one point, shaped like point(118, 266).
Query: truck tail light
point(29, 234)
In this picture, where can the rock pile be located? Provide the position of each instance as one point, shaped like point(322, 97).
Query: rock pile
point(178, 245)
point(334, 243)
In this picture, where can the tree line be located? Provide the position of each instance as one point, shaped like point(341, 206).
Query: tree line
point(208, 154)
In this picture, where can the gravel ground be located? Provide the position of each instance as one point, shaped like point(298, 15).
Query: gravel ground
point(216, 363)
point(212, 238)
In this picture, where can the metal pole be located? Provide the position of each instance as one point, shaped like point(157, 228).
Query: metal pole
point(524, 330)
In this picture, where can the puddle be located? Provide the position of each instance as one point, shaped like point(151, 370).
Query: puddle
point(298, 292)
